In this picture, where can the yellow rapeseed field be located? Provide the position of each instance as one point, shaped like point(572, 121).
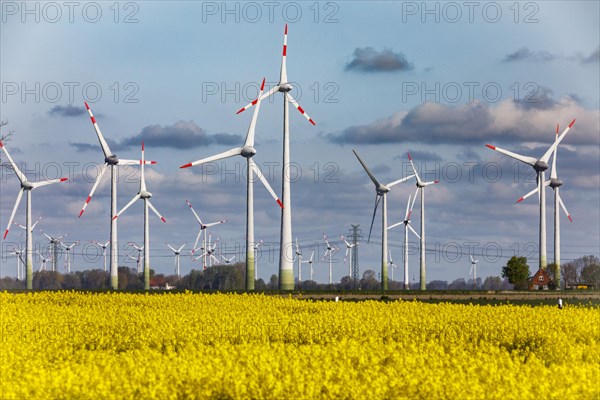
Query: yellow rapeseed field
point(70, 345)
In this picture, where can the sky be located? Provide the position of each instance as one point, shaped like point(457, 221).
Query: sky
point(436, 79)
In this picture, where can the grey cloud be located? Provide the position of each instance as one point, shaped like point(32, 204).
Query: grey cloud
point(524, 54)
point(367, 59)
point(594, 57)
point(68, 110)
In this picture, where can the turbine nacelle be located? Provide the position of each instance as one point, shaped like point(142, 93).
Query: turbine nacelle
point(382, 189)
point(555, 182)
point(248, 151)
point(144, 194)
point(27, 185)
point(285, 87)
point(111, 160)
point(540, 166)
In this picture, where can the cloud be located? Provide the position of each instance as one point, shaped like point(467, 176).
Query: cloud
point(524, 54)
point(477, 123)
point(114, 146)
point(181, 135)
point(68, 110)
point(594, 57)
point(367, 59)
point(541, 99)
point(422, 156)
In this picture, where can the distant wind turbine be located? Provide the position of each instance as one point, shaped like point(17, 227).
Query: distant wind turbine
point(381, 191)
point(145, 195)
point(407, 227)
point(26, 186)
point(177, 255)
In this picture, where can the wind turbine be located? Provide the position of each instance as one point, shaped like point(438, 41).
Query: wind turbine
point(227, 260)
point(555, 184)
point(44, 261)
point(103, 247)
point(348, 250)
point(392, 265)
point(540, 166)
point(407, 226)
point(139, 258)
point(381, 191)
point(299, 259)
point(145, 195)
point(256, 247)
point(177, 254)
point(247, 151)
point(330, 249)
point(421, 187)
point(286, 265)
point(203, 227)
point(310, 264)
point(18, 253)
point(210, 251)
point(473, 270)
point(55, 242)
point(26, 186)
point(68, 258)
point(32, 226)
point(110, 161)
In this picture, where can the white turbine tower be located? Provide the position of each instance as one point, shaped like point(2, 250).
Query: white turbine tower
point(381, 191)
point(203, 228)
point(421, 187)
point(145, 195)
point(310, 264)
point(473, 271)
point(54, 242)
point(329, 251)
point(110, 161)
point(177, 254)
point(247, 151)
point(26, 186)
point(139, 257)
point(349, 247)
point(555, 184)
point(540, 166)
point(299, 259)
point(286, 264)
point(256, 247)
point(68, 257)
point(103, 247)
point(407, 227)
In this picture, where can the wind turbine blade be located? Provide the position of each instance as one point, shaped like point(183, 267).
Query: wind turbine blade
point(251, 129)
point(169, 246)
point(181, 248)
point(283, 71)
point(20, 175)
point(527, 160)
point(156, 211)
point(534, 191)
point(215, 223)
point(377, 199)
point(264, 181)
point(194, 248)
point(264, 96)
point(413, 231)
point(554, 173)
point(103, 144)
point(48, 182)
point(408, 209)
point(562, 205)
point(226, 154)
point(12, 214)
point(311, 257)
point(431, 183)
point(549, 152)
point(291, 100)
point(413, 168)
point(395, 225)
point(471, 257)
point(136, 197)
point(373, 179)
point(194, 212)
point(400, 181)
point(413, 203)
point(49, 238)
point(96, 183)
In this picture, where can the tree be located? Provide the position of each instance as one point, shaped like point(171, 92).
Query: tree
point(437, 285)
point(368, 281)
point(516, 271)
point(590, 274)
point(458, 284)
point(492, 283)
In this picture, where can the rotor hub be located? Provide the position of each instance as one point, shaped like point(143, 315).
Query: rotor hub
point(111, 160)
point(144, 194)
point(555, 182)
point(285, 87)
point(27, 185)
point(248, 151)
point(540, 166)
